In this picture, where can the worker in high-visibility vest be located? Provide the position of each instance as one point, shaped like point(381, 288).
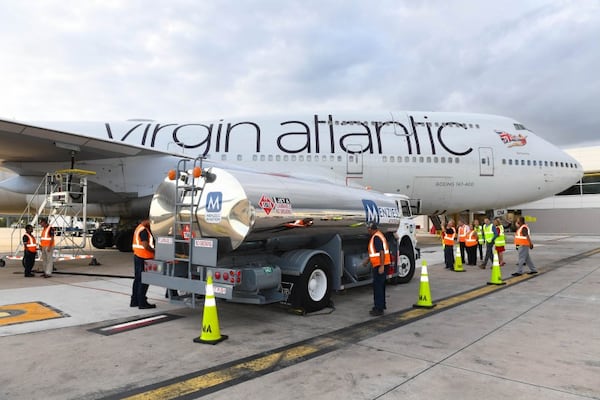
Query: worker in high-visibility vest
point(500, 241)
point(143, 249)
point(471, 245)
point(448, 238)
point(47, 246)
point(480, 240)
point(489, 235)
point(463, 231)
point(29, 251)
point(524, 244)
point(379, 258)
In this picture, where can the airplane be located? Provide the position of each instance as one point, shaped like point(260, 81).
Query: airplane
point(446, 162)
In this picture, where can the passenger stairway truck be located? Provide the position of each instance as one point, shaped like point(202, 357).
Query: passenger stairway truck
point(270, 238)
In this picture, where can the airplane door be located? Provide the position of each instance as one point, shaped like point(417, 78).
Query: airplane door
point(354, 160)
point(486, 161)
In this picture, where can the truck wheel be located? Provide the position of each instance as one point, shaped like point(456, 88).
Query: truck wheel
point(314, 285)
point(102, 239)
point(406, 264)
point(124, 240)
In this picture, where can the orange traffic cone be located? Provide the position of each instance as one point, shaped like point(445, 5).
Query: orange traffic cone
point(424, 293)
point(496, 277)
point(458, 265)
point(211, 333)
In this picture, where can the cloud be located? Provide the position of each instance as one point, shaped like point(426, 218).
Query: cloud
point(532, 60)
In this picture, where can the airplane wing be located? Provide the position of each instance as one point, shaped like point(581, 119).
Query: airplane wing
point(22, 143)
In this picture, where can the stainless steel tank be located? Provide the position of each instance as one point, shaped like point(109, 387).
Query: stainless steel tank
point(243, 206)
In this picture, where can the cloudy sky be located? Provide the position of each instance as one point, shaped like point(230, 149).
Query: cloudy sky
point(186, 60)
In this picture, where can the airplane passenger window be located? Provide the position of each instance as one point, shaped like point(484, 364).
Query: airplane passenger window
point(522, 162)
point(509, 161)
point(294, 157)
point(414, 159)
point(285, 157)
point(223, 157)
point(277, 157)
point(503, 161)
point(421, 159)
point(254, 157)
point(262, 157)
point(449, 160)
point(301, 158)
point(239, 157)
point(477, 126)
point(270, 157)
point(399, 158)
point(545, 163)
point(561, 164)
point(443, 160)
point(429, 160)
point(471, 126)
point(339, 158)
point(392, 159)
point(407, 159)
point(308, 158)
point(435, 160)
point(552, 163)
point(529, 162)
point(384, 158)
point(534, 163)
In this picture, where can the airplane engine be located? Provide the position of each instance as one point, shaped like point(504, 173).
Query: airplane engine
point(240, 206)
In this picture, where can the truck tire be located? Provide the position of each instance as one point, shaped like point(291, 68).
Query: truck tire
point(406, 264)
point(102, 239)
point(313, 289)
point(124, 240)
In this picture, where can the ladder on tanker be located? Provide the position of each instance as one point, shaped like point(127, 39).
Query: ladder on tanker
point(61, 197)
point(188, 192)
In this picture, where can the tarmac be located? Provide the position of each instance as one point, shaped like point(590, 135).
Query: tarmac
point(71, 336)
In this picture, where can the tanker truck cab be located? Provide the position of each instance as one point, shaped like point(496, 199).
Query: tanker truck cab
point(270, 238)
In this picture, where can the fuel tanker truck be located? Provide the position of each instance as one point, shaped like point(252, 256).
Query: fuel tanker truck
point(270, 238)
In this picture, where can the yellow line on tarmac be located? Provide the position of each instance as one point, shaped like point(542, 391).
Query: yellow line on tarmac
point(236, 371)
point(265, 363)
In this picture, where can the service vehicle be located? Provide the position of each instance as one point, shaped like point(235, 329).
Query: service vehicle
point(268, 238)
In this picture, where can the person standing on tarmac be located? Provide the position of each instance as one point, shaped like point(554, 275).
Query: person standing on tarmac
point(448, 243)
point(471, 245)
point(29, 251)
point(380, 258)
point(489, 234)
point(47, 245)
point(500, 241)
point(143, 249)
point(524, 244)
point(478, 228)
point(463, 230)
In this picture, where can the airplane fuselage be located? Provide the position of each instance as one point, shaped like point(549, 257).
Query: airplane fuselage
point(450, 162)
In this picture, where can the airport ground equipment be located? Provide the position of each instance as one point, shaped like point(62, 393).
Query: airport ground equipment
point(268, 238)
point(61, 197)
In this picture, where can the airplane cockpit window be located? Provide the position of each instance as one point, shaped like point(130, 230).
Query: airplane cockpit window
point(520, 127)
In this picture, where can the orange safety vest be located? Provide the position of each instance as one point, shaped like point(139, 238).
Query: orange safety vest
point(520, 239)
point(31, 246)
point(374, 256)
point(462, 233)
point(449, 239)
point(471, 239)
point(138, 248)
point(46, 240)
